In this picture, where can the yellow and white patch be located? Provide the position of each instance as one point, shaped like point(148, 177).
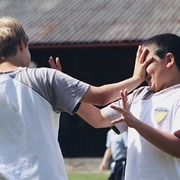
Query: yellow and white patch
point(160, 114)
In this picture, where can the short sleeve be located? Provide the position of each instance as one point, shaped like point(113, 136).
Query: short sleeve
point(176, 120)
point(67, 92)
point(62, 91)
point(108, 139)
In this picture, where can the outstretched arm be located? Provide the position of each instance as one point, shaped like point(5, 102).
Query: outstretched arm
point(91, 114)
point(110, 92)
point(169, 143)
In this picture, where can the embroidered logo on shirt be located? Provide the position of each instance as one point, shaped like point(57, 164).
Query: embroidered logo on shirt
point(160, 114)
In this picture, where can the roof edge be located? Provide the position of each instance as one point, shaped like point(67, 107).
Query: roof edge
point(83, 45)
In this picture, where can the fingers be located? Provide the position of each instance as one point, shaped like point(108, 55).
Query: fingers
point(55, 64)
point(116, 108)
point(123, 102)
point(144, 60)
point(120, 111)
point(143, 55)
point(52, 63)
point(58, 64)
point(148, 61)
point(139, 68)
point(139, 51)
point(123, 107)
point(124, 99)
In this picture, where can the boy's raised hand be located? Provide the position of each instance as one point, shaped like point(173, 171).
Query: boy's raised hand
point(141, 63)
point(124, 110)
point(55, 64)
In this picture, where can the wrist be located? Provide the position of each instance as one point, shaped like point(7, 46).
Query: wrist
point(137, 78)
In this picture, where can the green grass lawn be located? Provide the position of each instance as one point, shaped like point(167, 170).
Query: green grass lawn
point(87, 176)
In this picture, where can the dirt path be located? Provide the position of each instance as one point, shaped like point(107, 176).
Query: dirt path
point(83, 164)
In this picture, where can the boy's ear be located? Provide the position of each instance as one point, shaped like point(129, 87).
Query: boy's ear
point(170, 60)
point(21, 45)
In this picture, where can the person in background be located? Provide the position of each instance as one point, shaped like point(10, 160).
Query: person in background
point(32, 100)
point(116, 147)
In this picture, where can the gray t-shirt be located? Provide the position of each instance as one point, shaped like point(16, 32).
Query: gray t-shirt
point(31, 103)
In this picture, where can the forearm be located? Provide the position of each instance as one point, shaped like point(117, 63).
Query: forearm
point(139, 75)
point(112, 90)
point(107, 93)
point(105, 159)
point(168, 143)
point(93, 116)
point(106, 156)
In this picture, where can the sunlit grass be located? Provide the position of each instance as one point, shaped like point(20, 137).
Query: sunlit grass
point(87, 176)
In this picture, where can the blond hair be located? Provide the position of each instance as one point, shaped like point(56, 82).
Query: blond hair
point(11, 33)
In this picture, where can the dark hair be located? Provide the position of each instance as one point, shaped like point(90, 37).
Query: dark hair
point(166, 43)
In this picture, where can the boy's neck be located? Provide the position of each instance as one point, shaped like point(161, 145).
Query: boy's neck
point(6, 66)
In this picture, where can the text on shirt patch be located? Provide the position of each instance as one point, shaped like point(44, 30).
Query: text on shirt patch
point(160, 114)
